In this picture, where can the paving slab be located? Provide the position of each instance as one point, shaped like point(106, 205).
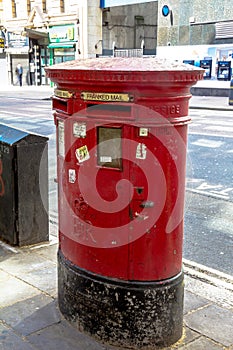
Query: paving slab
point(14, 290)
point(193, 302)
point(31, 315)
point(202, 344)
point(11, 341)
point(63, 337)
point(214, 322)
point(48, 252)
point(4, 254)
point(34, 269)
point(45, 279)
point(187, 337)
point(28, 263)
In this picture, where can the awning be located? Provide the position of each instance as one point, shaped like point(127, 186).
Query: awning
point(224, 30)
point(60, 45)
point(36, 34)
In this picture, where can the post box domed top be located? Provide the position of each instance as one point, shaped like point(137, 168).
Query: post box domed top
point(122, 70)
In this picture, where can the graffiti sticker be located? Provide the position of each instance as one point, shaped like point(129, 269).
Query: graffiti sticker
point(72, 176)
point(82, 154)
point(141, 151)
point(80, 130)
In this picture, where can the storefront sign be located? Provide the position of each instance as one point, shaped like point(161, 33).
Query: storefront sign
point(16, 40)
point(59, 34)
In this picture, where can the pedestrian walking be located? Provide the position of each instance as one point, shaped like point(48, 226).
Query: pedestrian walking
point(19, 73)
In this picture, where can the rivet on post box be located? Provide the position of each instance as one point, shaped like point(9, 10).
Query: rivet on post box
point(121, 141)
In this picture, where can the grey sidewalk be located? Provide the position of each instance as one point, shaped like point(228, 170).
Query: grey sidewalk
point(30, 318)
point(210, 102)
point(31, 92)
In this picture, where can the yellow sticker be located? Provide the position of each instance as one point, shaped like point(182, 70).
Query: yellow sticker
point(82, 154)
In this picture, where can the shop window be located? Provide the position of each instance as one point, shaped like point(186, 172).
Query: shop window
point(29, 7)
point(44, 7)
point(62, 6)
point(139, 20)
point(63, 55)
point(13, 6)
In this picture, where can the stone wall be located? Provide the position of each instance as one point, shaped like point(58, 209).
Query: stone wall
point(127, 26)
point(193, 21)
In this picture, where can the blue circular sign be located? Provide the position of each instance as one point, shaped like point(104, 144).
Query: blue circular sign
point(165, 10)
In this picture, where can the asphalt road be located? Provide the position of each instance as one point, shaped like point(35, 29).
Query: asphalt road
point(34, 116)
point(209, 196)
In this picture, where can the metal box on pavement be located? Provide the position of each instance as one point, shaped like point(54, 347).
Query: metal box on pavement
point(23, 187)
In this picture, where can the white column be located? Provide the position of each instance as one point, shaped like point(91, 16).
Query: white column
point(90, 28)
point(83, 33)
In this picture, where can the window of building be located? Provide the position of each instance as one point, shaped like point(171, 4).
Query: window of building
point(44, 9)
point(29, 7)
point(62, 6)
point(13, 6)
point(139, 20)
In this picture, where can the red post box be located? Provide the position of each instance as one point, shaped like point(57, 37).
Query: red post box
point(121, 158)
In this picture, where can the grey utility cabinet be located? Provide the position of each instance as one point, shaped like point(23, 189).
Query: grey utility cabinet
point(23, 187)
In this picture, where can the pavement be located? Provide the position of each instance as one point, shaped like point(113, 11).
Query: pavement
point(213, 95)
point(29, 315)
point(211, 87)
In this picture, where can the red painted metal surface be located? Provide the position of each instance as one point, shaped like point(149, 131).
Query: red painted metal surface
point(121, 140)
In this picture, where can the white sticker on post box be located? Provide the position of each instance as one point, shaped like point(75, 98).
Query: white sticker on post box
point(141, 151)
point(82, 154)
point(79, 130)
point(72, 176)
point(143, 131)
point(105, 159)
point(61, 138)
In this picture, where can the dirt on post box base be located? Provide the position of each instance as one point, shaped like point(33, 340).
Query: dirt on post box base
point(136, 315)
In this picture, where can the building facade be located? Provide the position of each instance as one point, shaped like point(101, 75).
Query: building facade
point(3, 62)
point(130, 26)
point(38, 33)
point(197, 31)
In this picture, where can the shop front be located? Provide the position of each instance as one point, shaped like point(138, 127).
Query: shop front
point(17, 49)
point(62, 43)
point(38, 56)
point(3, 61)
point(205, 56)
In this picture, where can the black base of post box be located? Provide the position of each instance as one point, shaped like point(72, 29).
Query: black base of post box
point(121, 313)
